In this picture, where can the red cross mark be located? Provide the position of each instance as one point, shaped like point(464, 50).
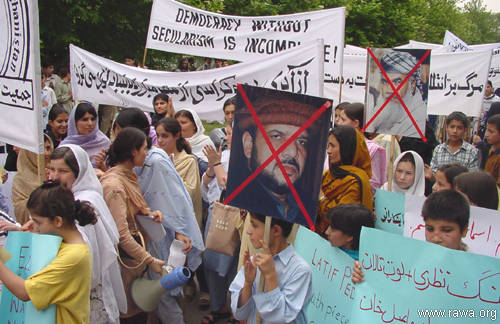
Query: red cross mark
point(275, 153)
point(396, 92)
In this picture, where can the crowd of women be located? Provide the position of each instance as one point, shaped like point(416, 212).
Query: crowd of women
point(163, 166)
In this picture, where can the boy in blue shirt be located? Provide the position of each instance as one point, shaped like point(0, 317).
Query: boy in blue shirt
point(287, 277)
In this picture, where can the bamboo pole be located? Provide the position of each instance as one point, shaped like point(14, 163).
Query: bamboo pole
point(391, 163)
point(144, 57)
point(261, 282)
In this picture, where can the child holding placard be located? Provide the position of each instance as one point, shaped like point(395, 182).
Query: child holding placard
point(287, 277)
point(446, 216)
point(65, 282)
point(346, 222)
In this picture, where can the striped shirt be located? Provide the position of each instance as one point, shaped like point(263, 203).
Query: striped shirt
point(466, 155)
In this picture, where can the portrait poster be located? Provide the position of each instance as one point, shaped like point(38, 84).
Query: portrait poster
point(397, 65)
point(296, 126)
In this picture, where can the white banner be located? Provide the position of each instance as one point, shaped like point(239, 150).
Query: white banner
point(483, 235)
point(457, 82)
point(454, 44)
point(354, 78)
point(103, 81)
point(176, 27)
point(20, 78)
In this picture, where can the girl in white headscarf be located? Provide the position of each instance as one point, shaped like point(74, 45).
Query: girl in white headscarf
point(408, 174)
point(71, 165)
point(193, 131)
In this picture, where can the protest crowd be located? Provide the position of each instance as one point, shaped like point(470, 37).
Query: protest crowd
point(113, 174)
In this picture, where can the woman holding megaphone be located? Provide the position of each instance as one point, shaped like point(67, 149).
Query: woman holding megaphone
point(124, 198)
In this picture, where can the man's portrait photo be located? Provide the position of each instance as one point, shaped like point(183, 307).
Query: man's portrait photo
point(398, 64)
point(282, 114)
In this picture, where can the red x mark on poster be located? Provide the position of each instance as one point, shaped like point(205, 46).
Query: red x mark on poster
point(275, 155)
point(396, 91)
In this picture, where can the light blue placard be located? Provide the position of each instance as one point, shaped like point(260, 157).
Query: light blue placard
point(333, 291)
point(31, 253)
point(390, 211)
point(412, 281)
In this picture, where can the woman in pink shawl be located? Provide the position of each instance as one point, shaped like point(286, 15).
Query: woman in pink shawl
point(83, 131)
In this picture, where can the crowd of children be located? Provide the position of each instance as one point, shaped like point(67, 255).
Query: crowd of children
point(162, 165)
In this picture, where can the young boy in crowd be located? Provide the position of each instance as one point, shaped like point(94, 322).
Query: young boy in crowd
point(455, 149)
point(493, 137)
point(346, 222)
point(446, 216)
point(287, 277)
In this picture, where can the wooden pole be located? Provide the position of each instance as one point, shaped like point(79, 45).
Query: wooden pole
point(391, 163)
point(41, 167)
point(261, 282)
point(144, 57)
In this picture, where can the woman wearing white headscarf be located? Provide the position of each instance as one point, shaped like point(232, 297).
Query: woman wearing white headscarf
point(71, 165)
point(193, 131)
point(408, 174)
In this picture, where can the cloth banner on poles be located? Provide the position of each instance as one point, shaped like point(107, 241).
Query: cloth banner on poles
point(99, 80)
point(20, 78)
point(457, 82)
point(176, 27)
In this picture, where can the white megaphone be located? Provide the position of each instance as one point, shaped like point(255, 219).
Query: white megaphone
point(146, 293)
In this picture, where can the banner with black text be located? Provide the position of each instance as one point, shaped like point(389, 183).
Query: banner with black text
point(176, 27)
point(100, 80)
point(20, 78)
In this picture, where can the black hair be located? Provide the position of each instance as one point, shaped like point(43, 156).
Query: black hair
point(349, 219)
point(448, 205)
point(172, 126)
point(162, 96)
point(129, 56)
point(407, 157)
point(495, 120)
point(69, 158)
point(489, 83)
point(228, 102)
point(63, 71)
point(84, 108)
point(458, 116)
point(52, 199)
point(480, 187)
point(452, 170)
point(46, 64)
point(56, 110)
point(355, 111)
point(286, 227)
point(188, 115)
point(128, 139)
point(342, 105)
point(134, 117)
point(346, 136)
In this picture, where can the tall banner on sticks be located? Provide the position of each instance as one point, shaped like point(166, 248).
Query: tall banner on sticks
point(103, 81)
point(176, 27)
point(20, 78)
